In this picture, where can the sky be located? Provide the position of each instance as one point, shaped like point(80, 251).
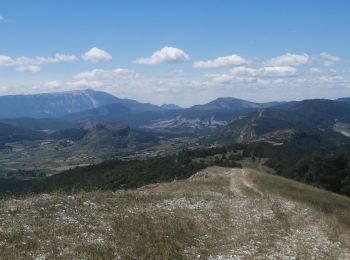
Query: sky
point(183, 52)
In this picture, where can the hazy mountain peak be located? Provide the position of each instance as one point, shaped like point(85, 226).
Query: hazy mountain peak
point(227, 103)
point(53, 104)
point(170, 106)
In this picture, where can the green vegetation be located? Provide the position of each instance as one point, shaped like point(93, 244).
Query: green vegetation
point(66, 149)
point(329, 172)
point(39, 123)
point(117, 174)
point(307, 158)
point(304, 157)
point(112, 175)
point(9, 133)
point(297, 141)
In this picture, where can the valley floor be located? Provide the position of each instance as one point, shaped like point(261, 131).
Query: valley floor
point(219, 213)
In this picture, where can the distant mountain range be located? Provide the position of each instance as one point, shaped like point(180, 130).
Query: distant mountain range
point(171, 118)
point(229, 103)
point(75, 109)
point(63, 103)
point(322, 117)
point(59, 104)
point(52, 104)
point(96, 126)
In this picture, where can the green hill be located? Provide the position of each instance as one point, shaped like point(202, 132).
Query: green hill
point(9, 133)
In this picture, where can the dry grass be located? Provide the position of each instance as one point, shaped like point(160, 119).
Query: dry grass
point(331, 208)
point(217, 214)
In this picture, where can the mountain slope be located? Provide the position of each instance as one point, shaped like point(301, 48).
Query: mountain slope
point(322, 117)
point(52, 104)
point(170, 118)
point(170, 106)
point(164, 120)
point(345, 99)
point(229, 103)
point(98, 114)
point(9, 133)
point(51, 124)
point(226, 103)
point(219, 213)
point(69, 148)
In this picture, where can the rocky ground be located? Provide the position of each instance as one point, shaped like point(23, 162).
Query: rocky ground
point(218, 213)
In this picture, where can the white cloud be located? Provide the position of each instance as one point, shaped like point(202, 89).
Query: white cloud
point(2, 19)
point(26, 64)
point(254, 77)
point(58, 57)
point(315, 70)
point(6, 60)
point(333, 72)
point(83, 83)
point(52, 84)
point(100, 74)
point(329, 59)
point(64, 57)
point(276, 71)
point(233, 60)
point(230, 79)
point(30, 68)
point(244, 71)
point(96, 55)
point(262, 75)
point(333, 79)
point(289, 59)
point(165, 55)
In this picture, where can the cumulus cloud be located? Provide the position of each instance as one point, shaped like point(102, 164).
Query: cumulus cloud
point(96, 55)
point(64, 57)
point(27, 64)
point(6, 60)
point(52, 84)
point(276, 71)
point(262, 75)
point(23, 61)
point(30, 68)
point(83, 83)
point(165, 55)
point(242, 76)
point(289, 59)
point(329, 59)
point(244, 71)
point(107, 78)
point(232, 60)
point(101, 74)
point(332, 79)
point(315, 70)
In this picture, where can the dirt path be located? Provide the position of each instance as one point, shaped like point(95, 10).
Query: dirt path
point(218, 213)
point(239, 179)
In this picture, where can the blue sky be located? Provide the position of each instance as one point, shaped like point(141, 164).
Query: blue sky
point(270, 50)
